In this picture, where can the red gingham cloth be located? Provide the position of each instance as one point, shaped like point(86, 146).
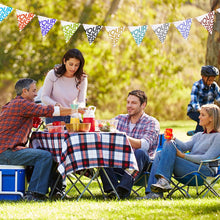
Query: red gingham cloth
point(78, 151)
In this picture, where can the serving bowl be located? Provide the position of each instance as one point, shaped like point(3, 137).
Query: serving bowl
point(78, 127)
point(55, 129)
point(107, 125)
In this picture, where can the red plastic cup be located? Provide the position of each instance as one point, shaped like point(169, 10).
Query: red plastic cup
point(168, 133)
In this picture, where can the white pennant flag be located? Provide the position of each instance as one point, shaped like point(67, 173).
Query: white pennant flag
point(92, 31)
point(207, 20)
point(69, 29)
point(138, 33)
point(184, 27)
point(114, 33)
point(161, 30)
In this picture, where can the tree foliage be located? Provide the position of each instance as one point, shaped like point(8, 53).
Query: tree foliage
point(165, 71)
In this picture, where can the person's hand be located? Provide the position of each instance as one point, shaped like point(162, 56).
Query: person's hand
point(58, 104)
point(179, 153)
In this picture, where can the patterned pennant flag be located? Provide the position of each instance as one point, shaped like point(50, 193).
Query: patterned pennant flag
point(23, 18)
point(69, 29)
point(92, 31)
point(184, 27)
point(161, 30)
point(207, 20)
point(4, 11)
point(114, 33)
point(138, 33)
point(45, 24)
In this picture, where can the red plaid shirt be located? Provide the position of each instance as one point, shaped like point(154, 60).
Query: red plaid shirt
point(16, 121)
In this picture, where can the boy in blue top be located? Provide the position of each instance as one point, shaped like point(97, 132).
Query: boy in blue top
point(204, 91)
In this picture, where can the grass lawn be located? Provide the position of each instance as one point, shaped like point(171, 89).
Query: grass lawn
point(88, 208)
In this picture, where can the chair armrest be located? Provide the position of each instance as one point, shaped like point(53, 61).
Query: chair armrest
point(213, 163)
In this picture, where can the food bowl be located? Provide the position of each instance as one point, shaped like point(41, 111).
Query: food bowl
point(107, 125)
point(55, 129)
point(78, 127)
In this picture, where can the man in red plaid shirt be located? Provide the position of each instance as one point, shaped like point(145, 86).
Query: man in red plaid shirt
point(142, 131)
point(16, 121)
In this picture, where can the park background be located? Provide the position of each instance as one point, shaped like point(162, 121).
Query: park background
point(165, 71)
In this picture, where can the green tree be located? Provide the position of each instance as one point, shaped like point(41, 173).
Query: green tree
point(165, 71)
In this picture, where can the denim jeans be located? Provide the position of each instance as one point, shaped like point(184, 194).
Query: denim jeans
point(167, 163)
point(41, 160)
point(126, 181)
point(195, 117)
point(58, 118)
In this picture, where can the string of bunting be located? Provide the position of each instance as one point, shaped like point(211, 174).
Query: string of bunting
point(114, 33)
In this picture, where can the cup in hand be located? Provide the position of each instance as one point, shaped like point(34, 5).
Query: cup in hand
point(168, 133)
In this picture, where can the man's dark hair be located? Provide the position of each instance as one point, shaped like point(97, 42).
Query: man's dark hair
point(140, 94)
point(23, 83)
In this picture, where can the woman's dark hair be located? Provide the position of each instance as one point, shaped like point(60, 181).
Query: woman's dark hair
point(140, 94)
point(61, 69)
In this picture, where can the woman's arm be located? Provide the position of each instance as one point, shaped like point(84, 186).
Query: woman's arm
point(83, 90)
point(47, 89)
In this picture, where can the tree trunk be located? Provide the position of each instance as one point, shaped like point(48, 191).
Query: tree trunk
point(213, 43)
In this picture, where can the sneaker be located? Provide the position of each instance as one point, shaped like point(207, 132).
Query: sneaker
point(190, 133)
point(162, 185)
point(59, 196)
point(122, 192)
point(32, 196)
point(112, 195)
point(151, 195)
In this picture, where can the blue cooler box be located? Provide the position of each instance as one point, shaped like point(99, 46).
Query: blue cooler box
point(12, 182)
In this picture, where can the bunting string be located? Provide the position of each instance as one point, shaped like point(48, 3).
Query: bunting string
point(114, 33)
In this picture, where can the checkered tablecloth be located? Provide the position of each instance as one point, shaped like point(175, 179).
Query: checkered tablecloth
point(78, 151)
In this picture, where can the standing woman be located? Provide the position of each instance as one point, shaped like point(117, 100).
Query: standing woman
point(172, 159)
point(66, 83)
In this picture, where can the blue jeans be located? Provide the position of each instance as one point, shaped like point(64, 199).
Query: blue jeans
point(127, 180)
point(58, 118)
point(41, 160)
point(195, 117)
point(167, 163)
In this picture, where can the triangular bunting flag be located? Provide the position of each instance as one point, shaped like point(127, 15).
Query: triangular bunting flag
point(92, 31)
point(45, 24)
point(69, 29)
point(218, 10)
point(184, 27)
point(207, 20)
point(4, 11)
point(138, 33)
point(161, 30)
point(23, 18)
point(114, 33)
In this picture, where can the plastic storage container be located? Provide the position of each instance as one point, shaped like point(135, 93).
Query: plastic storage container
point(12, 182)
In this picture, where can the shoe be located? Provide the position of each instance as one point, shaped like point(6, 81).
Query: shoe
point(151, 195)
point(162, 185)
point(32, 196)
point(122, 192)
point(111, 195)
point(59, 196)
point(190, 133)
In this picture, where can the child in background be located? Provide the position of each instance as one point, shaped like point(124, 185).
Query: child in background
point(204, 91)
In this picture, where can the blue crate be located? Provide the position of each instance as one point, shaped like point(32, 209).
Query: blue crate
point(12, 182)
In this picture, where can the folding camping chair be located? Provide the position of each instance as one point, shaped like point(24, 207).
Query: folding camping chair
point(141, 181)
point(196, 179)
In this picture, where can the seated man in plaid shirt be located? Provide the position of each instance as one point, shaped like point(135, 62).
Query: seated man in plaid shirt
point(204, 91)
point(143, 134)
point(16, 121)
